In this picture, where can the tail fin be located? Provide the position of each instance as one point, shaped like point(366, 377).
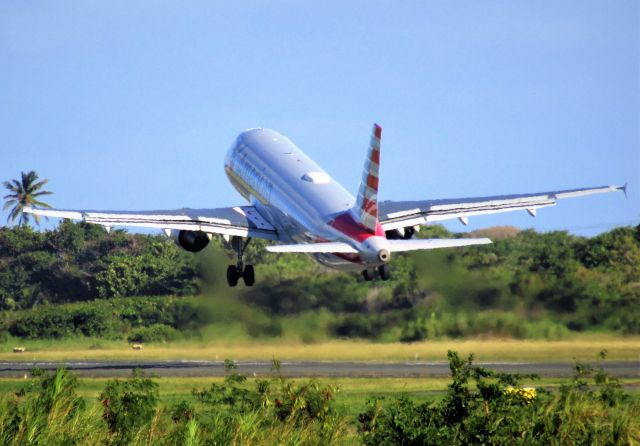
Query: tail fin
point(366, 208)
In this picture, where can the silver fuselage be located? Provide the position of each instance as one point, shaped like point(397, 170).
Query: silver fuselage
point(299, 198)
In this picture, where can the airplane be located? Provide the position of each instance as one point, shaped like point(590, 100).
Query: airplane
point(294, 202)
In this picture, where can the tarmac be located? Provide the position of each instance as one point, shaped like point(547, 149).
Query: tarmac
point(178, 368)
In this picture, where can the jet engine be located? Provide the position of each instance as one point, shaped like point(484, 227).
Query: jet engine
point(192, 241)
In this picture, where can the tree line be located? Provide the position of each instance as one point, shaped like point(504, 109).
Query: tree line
point(524, 285)
point(79, 262)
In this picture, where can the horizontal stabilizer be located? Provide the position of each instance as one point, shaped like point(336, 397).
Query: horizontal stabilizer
point(329, 247)
point(434, 243)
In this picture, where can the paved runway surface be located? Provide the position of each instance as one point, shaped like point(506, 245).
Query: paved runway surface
point(622, 369)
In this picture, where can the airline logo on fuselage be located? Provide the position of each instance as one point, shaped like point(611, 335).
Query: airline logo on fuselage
point(251, 178)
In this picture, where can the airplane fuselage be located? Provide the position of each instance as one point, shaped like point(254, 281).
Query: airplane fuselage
point(300, 199)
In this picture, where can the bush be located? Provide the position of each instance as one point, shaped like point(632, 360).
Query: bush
point(484, 323)
point(55, 322)
point(48, 411)
point(110, 318)
point(491, 412)
point(479, 407)
point(79, 261)
point(128, 406)
point(302, 402)
point(154, 333)
point(354, 326)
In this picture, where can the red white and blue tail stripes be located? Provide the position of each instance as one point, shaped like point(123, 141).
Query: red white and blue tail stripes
point(366, 208)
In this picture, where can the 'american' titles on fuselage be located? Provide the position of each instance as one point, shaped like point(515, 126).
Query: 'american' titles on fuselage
point(302, 199)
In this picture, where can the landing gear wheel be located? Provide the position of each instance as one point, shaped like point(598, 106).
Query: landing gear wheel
point(232, 275)
point(383, 269)
point(367, 275)
point(234, 272)
point(248, 275)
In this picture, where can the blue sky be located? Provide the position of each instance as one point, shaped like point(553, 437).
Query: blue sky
point(132, 105)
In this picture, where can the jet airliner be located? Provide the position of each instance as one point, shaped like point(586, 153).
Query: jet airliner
point(294, 202)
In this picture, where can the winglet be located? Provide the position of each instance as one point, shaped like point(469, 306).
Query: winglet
point(366, 208)
point(624, 189)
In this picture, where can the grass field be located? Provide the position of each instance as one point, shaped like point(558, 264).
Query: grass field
point(352, 393)
point(167, 420)
point(583, 348)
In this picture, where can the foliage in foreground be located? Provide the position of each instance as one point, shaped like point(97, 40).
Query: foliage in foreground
point(479, 407)
point(47, 411)
point(497, 411)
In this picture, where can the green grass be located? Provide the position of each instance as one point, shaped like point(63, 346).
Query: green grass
point(333, 412)
point(579, 347)
point(352, 392)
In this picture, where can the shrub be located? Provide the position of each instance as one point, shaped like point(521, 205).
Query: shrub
point(303, 402)
point(485, 323)
point(129, 405)
point(369, 326)
point(491, 412)
point(110, 318)
point(84, 319)
point(47, 411)
point(79, 261)
point(154, 333)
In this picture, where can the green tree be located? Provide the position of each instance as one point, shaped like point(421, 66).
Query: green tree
point(24, 193)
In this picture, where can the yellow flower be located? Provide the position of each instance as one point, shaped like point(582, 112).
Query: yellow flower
point(526, 393)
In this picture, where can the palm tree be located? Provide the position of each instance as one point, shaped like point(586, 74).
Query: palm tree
point(24, 193)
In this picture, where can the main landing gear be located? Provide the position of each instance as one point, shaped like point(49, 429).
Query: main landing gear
point(383, 272)
point(235, 272)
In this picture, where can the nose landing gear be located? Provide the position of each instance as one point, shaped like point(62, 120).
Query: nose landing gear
point(235, 272)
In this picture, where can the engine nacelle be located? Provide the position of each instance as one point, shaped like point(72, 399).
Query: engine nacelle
point(401, 233)
point(192, 241)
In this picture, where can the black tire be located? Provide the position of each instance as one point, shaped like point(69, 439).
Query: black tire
point(249, 275)
point(232, 275)
point(367, 275)
point(385, 273)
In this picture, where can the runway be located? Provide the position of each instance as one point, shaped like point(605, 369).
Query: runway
point(621, 369)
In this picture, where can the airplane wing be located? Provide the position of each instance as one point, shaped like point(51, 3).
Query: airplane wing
point(243, 221)
point(400, 214)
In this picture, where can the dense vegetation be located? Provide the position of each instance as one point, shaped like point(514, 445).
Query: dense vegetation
point(79, 262)
point(478, 407)
point(496, 410)
point(71, 281)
